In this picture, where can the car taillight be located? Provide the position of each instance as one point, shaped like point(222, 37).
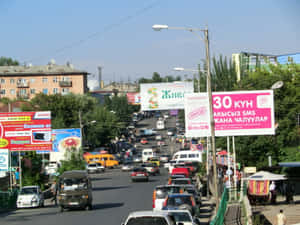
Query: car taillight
point(133, 174)
point(152, 169)
point(193, 202)
point(170, 180)
point(181, 191)
point(165, 202)
point(153, 199)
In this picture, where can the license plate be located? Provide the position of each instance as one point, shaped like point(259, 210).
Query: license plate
point(73, 203)
point(140, 175)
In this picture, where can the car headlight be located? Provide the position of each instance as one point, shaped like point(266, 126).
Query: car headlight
point(34, 199)
point(85, 196)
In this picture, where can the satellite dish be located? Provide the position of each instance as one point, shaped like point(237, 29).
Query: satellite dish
point(277, 85)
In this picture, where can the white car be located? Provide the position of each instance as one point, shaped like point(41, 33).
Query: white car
point(127, 167)
point(92, 168)
point(100, 168)
point(30, 196)
point(158, 137)
point(183, 216)
point(51, 168)
point(149, 217)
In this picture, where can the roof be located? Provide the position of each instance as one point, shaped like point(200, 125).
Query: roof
point(74, 174)
point(38, 70)
point(289, 164)
point(264, 175)
point(148, 213)
point(179, 195)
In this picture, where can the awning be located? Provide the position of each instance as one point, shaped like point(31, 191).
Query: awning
point(264, 175)
point(289, 164)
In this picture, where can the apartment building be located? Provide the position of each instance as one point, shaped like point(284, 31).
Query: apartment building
point(24, 82)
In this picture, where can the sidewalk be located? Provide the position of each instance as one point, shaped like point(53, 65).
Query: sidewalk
point(207, 210)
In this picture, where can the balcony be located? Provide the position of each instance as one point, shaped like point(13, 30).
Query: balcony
point(65, 83)
point(23, 84)
point(22, 95)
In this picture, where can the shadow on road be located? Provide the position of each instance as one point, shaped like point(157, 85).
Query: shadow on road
point(100, 178)
point(107, 205)
point(109, 188)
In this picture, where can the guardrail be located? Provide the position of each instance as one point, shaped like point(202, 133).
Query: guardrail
point(8, 200)
point(219, 218)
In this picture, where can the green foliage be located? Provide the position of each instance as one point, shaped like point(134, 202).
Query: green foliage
point(4, 61)
point(75, 162)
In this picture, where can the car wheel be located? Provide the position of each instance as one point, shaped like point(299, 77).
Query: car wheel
point(89, 207)
point(43, 204)
point(132, 180)
point(61, 208)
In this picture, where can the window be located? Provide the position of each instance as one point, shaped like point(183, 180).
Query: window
point(65, 90)
point(192, 155)
point(45, 90)
point(55, 90)
point(55, 79)
point(32, 80)
point(2, 81)
point(45, 80)
point(66, 78)
point(23, 92)
point(183, 156)
point(2, 91)
point(32, 91)
point(12, 81)
point(12, 91)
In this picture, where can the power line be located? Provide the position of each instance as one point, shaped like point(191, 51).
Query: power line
point(107, 28)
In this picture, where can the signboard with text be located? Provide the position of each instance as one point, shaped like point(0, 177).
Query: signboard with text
point(133, 98)
point(4, 159)
point(237, 113)
point(164, 96)
point(25, 131)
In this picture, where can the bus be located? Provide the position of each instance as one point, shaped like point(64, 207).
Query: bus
point(160, 125)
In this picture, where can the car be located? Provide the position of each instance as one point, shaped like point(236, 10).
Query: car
point(161, 143)
point(144, 141)
point(151, 168)
point(174, 177)
point(181, 201)
point(137, 159)
point(100, 168)
point(158, 137)
point(191, 189)
point(183, 217)
point(154, 160)
point(149, 217)
point(131, 125)
point(127, 167)
point(166, 116)
point(30, 197)
point(92, 168)
point(165, 158)
point(181, 181)
point(160, 193)
point(171, 132)
point(51, 168)
point(139, 173)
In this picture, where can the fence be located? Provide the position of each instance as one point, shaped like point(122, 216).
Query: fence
point(8, 200)
point(219, 218)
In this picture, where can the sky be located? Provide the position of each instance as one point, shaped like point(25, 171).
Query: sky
point(118, 36)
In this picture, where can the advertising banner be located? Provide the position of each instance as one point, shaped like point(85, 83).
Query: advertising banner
point(4, 159)
point(164, 96)
point(25, 131)
point(133, 98)
point(238, 113)
point(66, 139)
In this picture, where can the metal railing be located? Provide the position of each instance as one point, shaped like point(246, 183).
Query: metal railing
point(8, 200)
point(219, 218)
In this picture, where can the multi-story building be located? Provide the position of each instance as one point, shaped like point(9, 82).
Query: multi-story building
point(24, 82)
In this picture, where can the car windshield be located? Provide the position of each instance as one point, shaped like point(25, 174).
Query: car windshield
point(178, 181)
point(139, 170)
point(71, 184)
point(181, 216)
point(162, 192)
point(92, 165)
point(147, 221)
point(28, 191)
point(179, 200)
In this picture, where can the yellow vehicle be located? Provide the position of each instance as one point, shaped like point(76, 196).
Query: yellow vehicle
point(154, 160)
point(106, 160)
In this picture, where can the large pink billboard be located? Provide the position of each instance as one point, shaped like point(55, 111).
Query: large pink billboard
point(235, 113)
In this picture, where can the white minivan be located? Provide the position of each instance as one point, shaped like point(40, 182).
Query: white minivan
point(147, 153)
point(188, 156)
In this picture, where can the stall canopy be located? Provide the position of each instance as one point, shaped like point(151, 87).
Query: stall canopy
point(264, 175)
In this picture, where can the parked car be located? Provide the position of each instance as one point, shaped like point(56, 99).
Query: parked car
point(191, 189)
point(165, 158)
point(161, 143)
point(139, 173)
point(160, 193)
point(158, 137)
point(181, 201)
point(154, 160)
point(181, 181)
point(100, 168)
point(144, 141)
point(137, 158)
point(149, 217)
point(151, 168)
point(51, 168)
point(183, 217)
point(30, 196)
point(127, 167)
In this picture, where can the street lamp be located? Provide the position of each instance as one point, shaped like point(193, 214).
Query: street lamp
point(158, 27)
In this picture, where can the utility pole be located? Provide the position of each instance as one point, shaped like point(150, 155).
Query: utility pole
point(212, 122)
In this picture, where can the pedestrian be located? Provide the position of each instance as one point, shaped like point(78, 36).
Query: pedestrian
point(273, 192)
point(281, 218)
point(54, 192)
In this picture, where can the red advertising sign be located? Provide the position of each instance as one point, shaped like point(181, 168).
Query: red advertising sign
point(25, 131)
point(134, 98)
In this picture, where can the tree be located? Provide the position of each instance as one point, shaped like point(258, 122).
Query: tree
point(4, 61)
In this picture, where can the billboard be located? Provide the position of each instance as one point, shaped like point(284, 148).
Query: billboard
point(25, 131)
point(133, 98)
point(4, 159)
point(66, 139)
point(237, 113)
point(164, 96)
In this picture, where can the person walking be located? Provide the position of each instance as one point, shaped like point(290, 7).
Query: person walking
point(273, 192)
point(280, 218)
point(54, 192)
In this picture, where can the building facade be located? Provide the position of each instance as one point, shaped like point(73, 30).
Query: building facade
point(24, 82)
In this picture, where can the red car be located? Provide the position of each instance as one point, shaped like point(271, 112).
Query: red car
point(139, 173)
point(144, 141)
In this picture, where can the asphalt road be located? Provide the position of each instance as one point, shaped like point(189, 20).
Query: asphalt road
point(114, 197)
